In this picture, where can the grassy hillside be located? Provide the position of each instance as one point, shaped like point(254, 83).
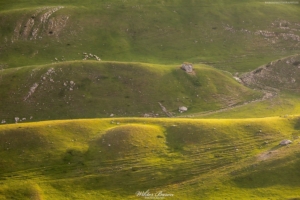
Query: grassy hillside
point(280, 82)
point(282, 105)
point(87, 89)
point(75, 62)
point(115, 158)
point(230, 35)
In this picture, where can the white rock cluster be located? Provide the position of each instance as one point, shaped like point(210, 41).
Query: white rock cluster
point(90, 56)
point(70, 84)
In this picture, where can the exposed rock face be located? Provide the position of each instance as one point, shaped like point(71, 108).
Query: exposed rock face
point(281, 74)
point(182, 109)
point(39, 24)
point(285, 142)
point(187, 67)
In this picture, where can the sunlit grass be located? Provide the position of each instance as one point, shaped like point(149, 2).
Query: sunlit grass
point(114, 158)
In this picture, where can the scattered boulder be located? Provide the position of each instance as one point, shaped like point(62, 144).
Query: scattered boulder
point(17, 119)
point(72, 84)
point(150, 115)
point(97, 58)
point(182, 109)
point(285, 142)
point(188, 67)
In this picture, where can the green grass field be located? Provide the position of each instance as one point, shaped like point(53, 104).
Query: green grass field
point(283, 105)
point(90, 91)
point(115, 158)
point(225, 34)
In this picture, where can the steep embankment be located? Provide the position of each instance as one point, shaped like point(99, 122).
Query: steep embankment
point(115, 158)
point(86, 89)
point(42, 32)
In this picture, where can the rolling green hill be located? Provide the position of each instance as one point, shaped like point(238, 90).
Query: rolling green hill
point(236, 36)
point(88, 89)
point(115, 158)
point(279, 80)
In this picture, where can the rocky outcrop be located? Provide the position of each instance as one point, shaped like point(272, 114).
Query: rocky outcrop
point(39, 24)
point(285, 142)
point(182, 109)
point(188, 67)
point(282, 74)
